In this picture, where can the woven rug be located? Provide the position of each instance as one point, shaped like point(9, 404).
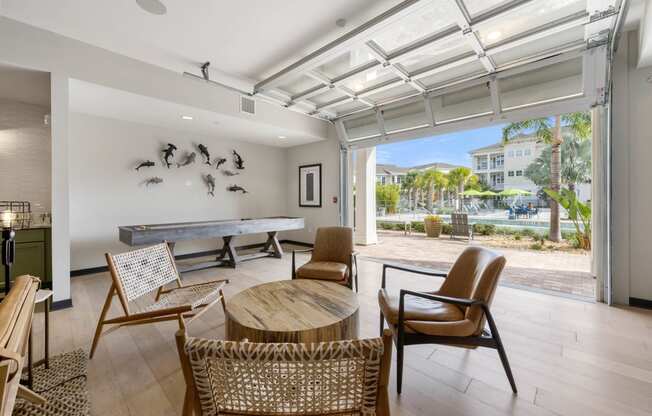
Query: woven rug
point(63, 385)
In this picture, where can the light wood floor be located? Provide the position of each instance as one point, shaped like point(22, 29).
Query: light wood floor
point(568, 357)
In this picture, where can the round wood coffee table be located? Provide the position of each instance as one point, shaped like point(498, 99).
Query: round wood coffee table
point(299, 310)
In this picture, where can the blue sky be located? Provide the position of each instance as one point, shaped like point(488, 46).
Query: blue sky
point(449, 148)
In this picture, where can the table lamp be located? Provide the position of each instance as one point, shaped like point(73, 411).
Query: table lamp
point(7, 219)
point(14, 215)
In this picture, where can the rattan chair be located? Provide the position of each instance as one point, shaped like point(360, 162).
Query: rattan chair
point(242, 378)
point(138, 273)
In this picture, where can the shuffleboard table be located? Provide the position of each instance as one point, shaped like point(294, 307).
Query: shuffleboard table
point(137, 235)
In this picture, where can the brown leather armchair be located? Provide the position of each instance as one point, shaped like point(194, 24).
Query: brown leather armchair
point(454, 315)
point(333, 258)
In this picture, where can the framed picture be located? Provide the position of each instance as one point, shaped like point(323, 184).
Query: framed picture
point(310, 186)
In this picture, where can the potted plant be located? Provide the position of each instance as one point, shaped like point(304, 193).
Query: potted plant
point(432, 224)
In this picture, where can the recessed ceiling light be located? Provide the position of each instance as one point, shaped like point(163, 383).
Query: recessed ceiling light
point(282, 137)
point(153, 6)
point(340, 22)
point(494, 35)
point(186, 117)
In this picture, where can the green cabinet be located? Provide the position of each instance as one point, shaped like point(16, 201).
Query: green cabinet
point(33, 256)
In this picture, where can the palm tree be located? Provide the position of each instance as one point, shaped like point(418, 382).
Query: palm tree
point(575, 164)
point(459, 178)
point(409, 187)
point(429, 180)
point(550, 133)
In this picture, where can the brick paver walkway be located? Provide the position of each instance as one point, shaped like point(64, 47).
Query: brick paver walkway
point(554, 272)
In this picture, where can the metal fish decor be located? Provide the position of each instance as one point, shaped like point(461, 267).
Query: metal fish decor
point(203, 150)
point(189, 160)
point(219, 162)
point(237, 161)
point(153, 181)
point(227, 172)
point(145, 164)
point(210, 183)
point(236, 188)
point(168, 153)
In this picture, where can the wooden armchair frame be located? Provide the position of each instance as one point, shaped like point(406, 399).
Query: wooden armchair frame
point(192, 404)
point(488, 339)
point(16, 315)
point(185, 311)
point(351, 278)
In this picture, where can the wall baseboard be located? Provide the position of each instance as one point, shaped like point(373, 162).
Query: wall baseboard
point(61, 304)
point(640, 303)
point(103, 269)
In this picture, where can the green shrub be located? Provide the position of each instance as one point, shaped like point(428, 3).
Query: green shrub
point(517, 237)
point(536, 246)
point(528, 232)
point(418, 227)
point(484, 229)
point(446, 228)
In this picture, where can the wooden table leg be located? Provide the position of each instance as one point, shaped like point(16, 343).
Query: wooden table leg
point(276, 246)
point(48, 301)
point(30, 361)
point(230, 250)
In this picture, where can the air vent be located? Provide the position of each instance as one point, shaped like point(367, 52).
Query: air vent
point(247, 105)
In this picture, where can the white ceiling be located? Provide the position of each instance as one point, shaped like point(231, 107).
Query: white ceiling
point(87, 98)
point(24, 85)
point(246, 39)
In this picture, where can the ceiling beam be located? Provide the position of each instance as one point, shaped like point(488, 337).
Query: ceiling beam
point(380, 55)
point(463, 19)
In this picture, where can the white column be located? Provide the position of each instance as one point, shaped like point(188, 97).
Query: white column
point(60, 190)
point(365, 191)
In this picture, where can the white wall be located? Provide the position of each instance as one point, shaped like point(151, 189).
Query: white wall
point(25, 157)
point(106, 191)
point(631, 157)
point(327, 153)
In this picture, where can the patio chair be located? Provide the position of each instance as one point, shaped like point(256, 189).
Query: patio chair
point(16, 313)
point(333, 258)
point(460, 226)
point(329, 378)
point(454, 315)
point(138, 273)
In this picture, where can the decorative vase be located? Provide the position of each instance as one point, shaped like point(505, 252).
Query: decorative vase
point(432, 226)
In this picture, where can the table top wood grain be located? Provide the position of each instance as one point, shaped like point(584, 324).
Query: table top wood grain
point(291, 307)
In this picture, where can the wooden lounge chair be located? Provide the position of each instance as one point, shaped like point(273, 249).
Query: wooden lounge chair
point(140, 272)
point(333, 258)
point(460, 226)
point(453, 315)
point(16, 313)
point(243, 378)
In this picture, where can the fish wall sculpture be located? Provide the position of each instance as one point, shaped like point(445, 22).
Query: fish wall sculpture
point(169, 153)
point(153, 181)
point(238, 161)
point(219, 162)
point(236, 188)
point(210, 183)
point(145, 164)
point(189, 160)
point(203, 150)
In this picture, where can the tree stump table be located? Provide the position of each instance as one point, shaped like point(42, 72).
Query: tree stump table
point(299, 310)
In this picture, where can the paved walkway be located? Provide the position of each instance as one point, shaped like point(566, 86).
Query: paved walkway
point(556, 272)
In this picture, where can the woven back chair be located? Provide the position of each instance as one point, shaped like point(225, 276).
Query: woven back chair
point(460, 225)
point(16, 313)
point(138, 273)
point(243, 378)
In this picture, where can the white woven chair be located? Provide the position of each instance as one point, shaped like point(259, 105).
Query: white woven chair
point(141, 272)
point(242, 378)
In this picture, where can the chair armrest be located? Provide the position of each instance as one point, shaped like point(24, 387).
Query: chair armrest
point(294, 262)
point(307, 250)
point(412, 269)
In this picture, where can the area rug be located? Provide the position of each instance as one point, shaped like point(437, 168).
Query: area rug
point(63, 385)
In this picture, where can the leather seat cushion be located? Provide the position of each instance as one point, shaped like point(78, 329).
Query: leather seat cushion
point(418, 309)
point(323, 270)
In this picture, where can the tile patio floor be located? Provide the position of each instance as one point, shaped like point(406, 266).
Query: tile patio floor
point(552, 272)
